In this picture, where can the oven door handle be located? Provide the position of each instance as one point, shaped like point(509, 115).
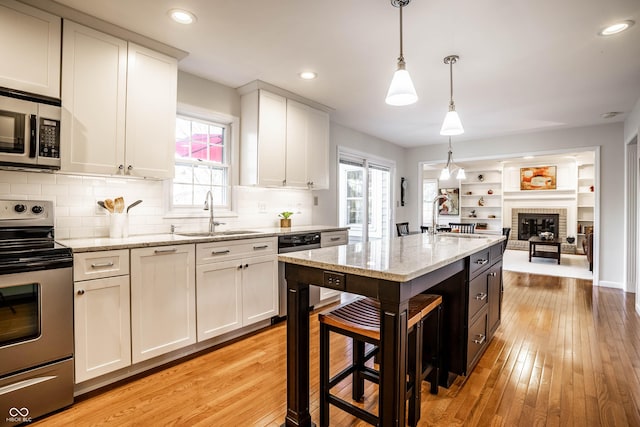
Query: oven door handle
point(42, 264)
point(32, 136)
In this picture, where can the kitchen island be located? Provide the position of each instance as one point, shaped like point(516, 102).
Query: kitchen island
point(463, 268)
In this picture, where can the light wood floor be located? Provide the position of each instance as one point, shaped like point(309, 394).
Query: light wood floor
point(565, 355)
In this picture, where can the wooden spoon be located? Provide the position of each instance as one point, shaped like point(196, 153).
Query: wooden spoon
point(108, 203)
point(118, 204)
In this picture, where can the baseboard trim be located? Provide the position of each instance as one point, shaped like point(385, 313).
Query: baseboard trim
point(608, 284)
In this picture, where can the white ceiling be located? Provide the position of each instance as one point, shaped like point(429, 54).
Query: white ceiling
point(524, 65)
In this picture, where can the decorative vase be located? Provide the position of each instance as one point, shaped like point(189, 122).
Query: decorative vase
point(481, 201)
point(285, 223)
point(571, 239)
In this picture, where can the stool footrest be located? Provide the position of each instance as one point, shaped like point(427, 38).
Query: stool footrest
point(354, 410)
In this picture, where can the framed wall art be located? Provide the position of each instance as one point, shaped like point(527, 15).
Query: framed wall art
point(451, 206)
point(538, 178)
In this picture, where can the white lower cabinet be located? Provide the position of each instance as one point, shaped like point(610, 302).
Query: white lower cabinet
point(163, 300)
point(102, 328)
point(236, 283)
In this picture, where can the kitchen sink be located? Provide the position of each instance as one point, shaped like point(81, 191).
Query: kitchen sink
point(217, 233)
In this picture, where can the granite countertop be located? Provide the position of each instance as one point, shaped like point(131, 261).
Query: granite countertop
point(146, 240)
point(398, 259)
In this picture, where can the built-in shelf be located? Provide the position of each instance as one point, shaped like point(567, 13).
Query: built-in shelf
point(490, 191)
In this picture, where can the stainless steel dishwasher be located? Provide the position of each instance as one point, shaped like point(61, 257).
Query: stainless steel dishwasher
point(294, 243)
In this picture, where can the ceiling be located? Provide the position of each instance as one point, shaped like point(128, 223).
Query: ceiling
point(524, 65)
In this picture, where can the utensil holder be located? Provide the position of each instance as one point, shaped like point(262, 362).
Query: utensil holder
point(118, 225)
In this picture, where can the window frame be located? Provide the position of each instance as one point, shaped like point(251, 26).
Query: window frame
point(231, 123)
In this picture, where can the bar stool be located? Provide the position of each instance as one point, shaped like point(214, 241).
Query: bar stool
point(360, 320)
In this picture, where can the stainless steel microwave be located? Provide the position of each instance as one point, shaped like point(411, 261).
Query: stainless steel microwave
point(29, 133)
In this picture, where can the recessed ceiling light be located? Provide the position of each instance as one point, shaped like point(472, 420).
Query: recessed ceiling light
point(528, 157)
point(182, 16)
point(616, 28)
point(610, 114)
point(308, 75)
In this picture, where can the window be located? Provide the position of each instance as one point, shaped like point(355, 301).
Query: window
point(202, 161)
point(364, 196)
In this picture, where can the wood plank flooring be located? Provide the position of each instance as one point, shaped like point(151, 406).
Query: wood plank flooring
point(566, 354)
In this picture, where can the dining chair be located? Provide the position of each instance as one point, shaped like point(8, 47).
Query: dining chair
point(463, 227)
point(505, 232)
point(402, 228)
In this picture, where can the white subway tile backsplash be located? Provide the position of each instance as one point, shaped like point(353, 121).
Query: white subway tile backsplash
point(13, 177)
point(78, 216)
point(26, 189)
point(41, 178)
point(55, 189)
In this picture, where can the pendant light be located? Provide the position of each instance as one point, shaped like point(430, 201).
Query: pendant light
point(401, 91)
point(452, 124)
point(450, 167)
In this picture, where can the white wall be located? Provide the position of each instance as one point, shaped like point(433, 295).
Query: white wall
point(326, 210)
point(611, 182)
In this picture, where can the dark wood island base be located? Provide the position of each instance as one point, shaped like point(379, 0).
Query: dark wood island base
point(467, 304)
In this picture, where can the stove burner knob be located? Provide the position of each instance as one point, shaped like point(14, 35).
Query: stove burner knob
point(19, 208)
point(37, 209)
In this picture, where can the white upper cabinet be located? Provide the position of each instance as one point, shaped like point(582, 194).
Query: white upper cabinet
point(119, 106)
point(283, 142)
point(94, 95)
point(152, 80)
point(30, 49)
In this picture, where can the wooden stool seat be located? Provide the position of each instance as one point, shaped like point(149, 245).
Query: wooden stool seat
point(360, 320)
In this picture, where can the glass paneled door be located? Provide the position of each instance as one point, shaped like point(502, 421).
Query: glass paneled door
point(364, 198)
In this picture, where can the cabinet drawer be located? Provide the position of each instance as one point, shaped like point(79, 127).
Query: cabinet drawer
point(96, 265)
point(333, 238)
point(478, 262)
point(232, 249)
point(477, 341)
point(478, 295)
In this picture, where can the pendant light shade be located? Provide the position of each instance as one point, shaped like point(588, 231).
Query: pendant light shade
point(452, 124)
point(401, 91)
point(445, 173)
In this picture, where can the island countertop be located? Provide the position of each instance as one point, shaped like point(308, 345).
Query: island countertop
point(399, 259)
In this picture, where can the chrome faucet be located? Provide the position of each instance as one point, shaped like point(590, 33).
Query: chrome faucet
point(434, 217)
point(208, 206)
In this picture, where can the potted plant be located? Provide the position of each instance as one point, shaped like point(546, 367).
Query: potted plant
point(285, 219)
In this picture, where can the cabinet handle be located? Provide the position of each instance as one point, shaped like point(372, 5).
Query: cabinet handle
point(100, 265)
point(255, 248)
point(335, 239)
point(481, 340)
point(165, 251)
point(482, 261)
point(129, 168)
point(120, 168)
point(284, 182)
point(246, 266)
point(240, 267)
point(493, 274)
point(481, 296)
point(81, 292)
point(226, 251)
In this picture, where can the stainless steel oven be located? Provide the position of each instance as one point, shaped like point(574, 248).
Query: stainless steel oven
point(36, 314)
point(29, 132)
point(293, 243)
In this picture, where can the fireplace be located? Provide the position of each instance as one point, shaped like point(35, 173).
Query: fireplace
point(532, 224)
